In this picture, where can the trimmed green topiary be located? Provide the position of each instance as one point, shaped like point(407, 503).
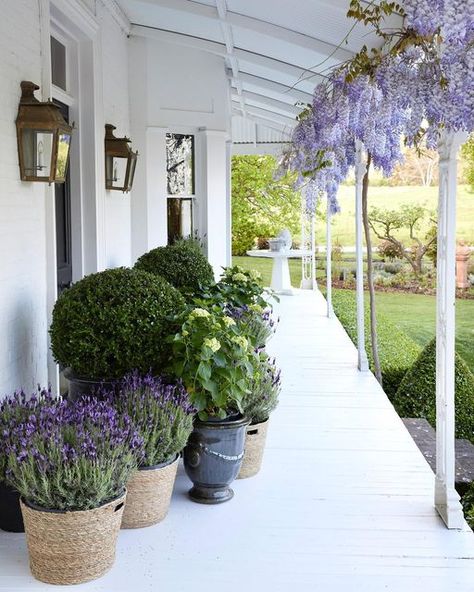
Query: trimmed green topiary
point(416, 396)
point(397, 351)
point(183, 265)
point(113, 322)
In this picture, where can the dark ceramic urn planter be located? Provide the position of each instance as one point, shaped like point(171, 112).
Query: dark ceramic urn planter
point(80, 387)
point(11, 519)
point(213, 456)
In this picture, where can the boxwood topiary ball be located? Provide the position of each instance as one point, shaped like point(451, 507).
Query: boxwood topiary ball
point(114, 321)
point(184, 266)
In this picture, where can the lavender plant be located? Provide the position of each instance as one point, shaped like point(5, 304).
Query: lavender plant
point(17, 409)
point(265, 389)
point(255, 322)
point(161, 412)
point(71, 456)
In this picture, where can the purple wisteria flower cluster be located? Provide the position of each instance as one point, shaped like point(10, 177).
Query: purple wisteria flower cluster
point(417, 92)
point(161, 412)
point(65, 455)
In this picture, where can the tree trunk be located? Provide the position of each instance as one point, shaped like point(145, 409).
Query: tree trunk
point(370, 275)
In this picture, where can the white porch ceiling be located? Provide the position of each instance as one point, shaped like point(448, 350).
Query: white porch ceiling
point(274, 51)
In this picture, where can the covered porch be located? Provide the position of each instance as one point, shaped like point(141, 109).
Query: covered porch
point(344, 500)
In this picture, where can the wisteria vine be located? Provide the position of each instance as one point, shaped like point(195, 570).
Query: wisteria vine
point(420, 83)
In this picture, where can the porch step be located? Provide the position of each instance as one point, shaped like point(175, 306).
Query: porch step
point(424, 436)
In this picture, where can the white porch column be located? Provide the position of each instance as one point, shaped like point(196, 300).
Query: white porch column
point(313, 251)
point(330, 311)
point(228, 157)
point(446, 498)
point(360, 170)
point(212, 172)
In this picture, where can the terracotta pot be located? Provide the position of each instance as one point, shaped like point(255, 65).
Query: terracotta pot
point(255, 439)
point(72, 547)
point(149, 494)
point(213, 456)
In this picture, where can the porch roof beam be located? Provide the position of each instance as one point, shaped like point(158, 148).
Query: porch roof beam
point(294, 94)
point(292, 110)
point(268, 114)
point(274, 125)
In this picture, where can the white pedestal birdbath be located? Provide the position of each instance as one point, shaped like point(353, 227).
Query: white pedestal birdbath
point(281, 282)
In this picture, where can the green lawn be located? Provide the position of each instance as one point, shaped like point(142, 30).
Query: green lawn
point(412, 312)
point(393, 197)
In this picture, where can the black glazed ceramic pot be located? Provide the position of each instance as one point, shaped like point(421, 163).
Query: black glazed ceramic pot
point(11, 519)
point(213, 456)
point(80, 387)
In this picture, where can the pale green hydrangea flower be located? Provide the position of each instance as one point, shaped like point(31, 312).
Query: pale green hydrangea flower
point(240, 277)
point(213, 344)
point(228, 321)
point(241, 341)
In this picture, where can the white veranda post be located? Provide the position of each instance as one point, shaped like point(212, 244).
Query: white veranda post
point(360, 170)
point(446, 498)
point(330, 310)
point(308, 243)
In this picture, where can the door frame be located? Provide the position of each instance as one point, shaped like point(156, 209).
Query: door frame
point(76, 24)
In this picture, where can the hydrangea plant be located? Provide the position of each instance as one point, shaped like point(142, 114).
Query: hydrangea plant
point(70, 455)
point(161, 412)
point(213, 359)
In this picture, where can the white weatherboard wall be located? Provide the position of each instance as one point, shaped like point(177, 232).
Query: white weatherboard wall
point(177, 89)
point(27, 239)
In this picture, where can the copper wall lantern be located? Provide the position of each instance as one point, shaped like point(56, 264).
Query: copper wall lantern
point(120, 161)
point(44, 138)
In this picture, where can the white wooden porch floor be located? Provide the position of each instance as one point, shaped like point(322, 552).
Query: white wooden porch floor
point(343, 503)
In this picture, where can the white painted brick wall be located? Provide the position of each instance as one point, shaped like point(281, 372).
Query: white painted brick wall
point(23, 316)
point(22, 213)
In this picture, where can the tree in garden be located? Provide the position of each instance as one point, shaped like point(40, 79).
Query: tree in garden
point(387, 223)
point(261, 204)
point(468, 153)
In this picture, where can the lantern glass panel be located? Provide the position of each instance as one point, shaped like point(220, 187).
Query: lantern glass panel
point(37, 152)
point(64, 142)
point(116, 171)
point(131, 175)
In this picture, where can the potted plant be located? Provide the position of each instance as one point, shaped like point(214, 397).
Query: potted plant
point(111, 323)
point(163, 415)
point(71, 462)
point(258, 405)
point(213, 360)
point(15, 409)
point(241, 295)
point(182, 264)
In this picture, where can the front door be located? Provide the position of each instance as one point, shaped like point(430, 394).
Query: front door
point(63, 224)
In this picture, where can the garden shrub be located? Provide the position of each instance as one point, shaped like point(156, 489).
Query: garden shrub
point(416, 396)
point(115, 321)
point(396, 350)
point(183, 265)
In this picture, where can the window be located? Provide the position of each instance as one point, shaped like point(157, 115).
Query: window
point(58, 64)
point(180, 185)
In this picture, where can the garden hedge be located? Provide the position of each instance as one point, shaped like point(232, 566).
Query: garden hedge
point(416, 396)
point(181, 264)
point(115, 321)
point(396, 350)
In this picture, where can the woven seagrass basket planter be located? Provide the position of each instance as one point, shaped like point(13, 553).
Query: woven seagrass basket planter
point(149, 494)
point(72, 547)
point(255, 439)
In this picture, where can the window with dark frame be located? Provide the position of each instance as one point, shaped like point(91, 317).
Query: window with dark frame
point(58, 64)
point(180, 185)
